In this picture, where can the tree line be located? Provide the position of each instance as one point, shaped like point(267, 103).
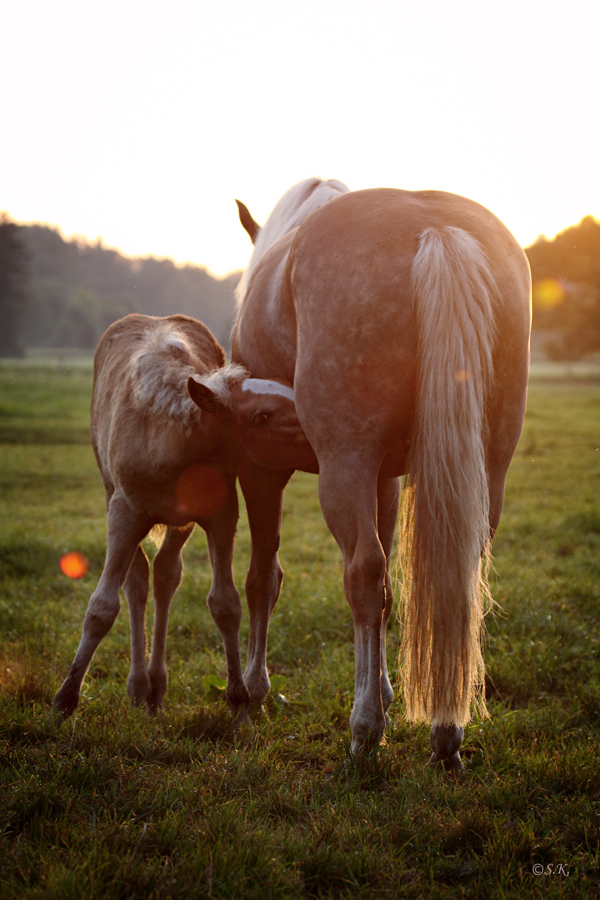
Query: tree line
point(566, 290)
point(57, 293)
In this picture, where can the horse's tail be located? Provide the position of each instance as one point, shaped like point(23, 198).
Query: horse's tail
point(445, 510)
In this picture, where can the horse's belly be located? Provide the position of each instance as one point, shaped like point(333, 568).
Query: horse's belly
point(395, 461)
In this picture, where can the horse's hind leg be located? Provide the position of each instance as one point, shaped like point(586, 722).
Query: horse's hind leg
point(388, 495)
point(224, 599)
point(348, 495)
point(125, 531)
point(167, 574)
point(263, 492)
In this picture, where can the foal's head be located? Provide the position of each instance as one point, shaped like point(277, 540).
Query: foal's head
point(262, 415)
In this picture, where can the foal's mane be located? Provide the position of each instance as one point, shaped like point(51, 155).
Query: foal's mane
point(159, 372)
point(296, 204)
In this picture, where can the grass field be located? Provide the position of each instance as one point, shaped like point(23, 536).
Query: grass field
point(117, 805)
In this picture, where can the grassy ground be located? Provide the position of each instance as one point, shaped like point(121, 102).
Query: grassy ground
point(117, 805)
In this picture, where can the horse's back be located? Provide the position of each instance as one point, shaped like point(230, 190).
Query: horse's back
point(366, 241)
point(351, 267)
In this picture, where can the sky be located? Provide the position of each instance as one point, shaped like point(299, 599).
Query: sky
point(139, 123)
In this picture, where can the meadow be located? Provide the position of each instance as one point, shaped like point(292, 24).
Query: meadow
point(115, 804)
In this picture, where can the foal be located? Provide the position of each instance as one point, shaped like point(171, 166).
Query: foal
point(165, 463)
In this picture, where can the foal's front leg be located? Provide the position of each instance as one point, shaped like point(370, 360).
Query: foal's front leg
point(126, 529)
point(263, 492)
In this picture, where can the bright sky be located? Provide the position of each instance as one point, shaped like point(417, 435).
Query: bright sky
point(141, 122)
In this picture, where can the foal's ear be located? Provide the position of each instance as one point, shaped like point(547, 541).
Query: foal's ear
point(203, 396)
point(247, 221)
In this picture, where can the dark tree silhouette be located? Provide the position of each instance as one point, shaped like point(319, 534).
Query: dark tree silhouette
point(13, 296)
point(77, 289)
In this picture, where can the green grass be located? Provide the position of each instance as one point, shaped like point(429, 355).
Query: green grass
point(117, 805)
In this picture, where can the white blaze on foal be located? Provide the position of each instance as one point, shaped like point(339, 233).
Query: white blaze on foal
point(265, 386)
point(262, 417)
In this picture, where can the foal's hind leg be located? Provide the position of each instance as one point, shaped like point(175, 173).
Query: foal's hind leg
point(136, 592)
point(348, 494)
point(167, 574)
point(125, 531)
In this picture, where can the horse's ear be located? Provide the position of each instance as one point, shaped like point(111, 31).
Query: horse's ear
point(247, 221)
point(203, 397)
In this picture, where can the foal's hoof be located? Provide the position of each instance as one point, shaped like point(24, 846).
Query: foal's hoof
point(363, 745)
point(138, 690)
point(65, 704)
point(154, 701)
point(242, 724)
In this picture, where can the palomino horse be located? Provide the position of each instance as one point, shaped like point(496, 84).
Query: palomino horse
point(402, 320)
point(164, 462)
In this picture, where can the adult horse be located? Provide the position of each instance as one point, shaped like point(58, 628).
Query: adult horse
point(402, 319)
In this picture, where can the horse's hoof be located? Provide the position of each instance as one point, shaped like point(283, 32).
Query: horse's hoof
point(445, 741)
point(452, 764)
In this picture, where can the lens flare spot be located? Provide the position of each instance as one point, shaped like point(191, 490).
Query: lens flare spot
point(200, 492)
point(462, 376)
point(548, 293)
point(74, 565)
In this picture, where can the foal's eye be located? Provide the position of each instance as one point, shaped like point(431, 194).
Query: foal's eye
point(260, 418)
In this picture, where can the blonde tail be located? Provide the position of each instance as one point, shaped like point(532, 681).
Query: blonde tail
point(445, 508)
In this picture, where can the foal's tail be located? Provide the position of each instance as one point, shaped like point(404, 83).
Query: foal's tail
point(445, 518)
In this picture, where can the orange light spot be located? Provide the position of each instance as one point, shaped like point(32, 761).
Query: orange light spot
point(462, 376)
point(548, 293)
point(74, 565)
point(200, 492)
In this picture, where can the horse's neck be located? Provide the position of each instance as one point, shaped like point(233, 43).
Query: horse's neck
point(294, 207)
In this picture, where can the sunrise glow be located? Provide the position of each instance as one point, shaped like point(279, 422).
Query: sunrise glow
point(141, 124)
